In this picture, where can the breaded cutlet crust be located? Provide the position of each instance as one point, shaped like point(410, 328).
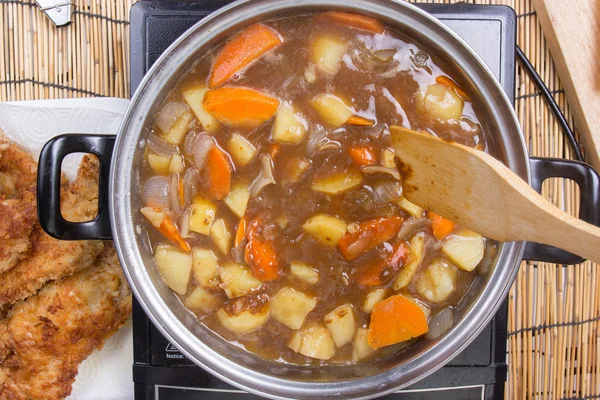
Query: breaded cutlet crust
point(18, 170)
point(46, 337)
point(52, 259)
point(18, 211)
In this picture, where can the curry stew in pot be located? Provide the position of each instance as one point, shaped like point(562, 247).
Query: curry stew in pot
point(274, 202)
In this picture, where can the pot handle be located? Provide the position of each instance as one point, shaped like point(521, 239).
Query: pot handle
point(589, 204)
point(48, 186)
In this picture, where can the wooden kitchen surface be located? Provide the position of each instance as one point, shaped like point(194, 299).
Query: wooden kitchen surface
point(554, 311)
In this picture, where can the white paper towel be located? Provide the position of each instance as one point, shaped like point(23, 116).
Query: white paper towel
point(106, 374)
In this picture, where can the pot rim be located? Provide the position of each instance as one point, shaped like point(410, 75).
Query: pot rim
point(170, 325)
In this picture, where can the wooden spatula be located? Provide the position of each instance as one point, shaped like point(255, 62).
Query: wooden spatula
point(474, 189)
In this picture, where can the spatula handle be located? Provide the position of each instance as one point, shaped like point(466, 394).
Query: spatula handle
point(548, 224)
point(560, 229)
point(589, 202)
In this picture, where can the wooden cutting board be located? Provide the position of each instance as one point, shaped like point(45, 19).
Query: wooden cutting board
point(572, 29)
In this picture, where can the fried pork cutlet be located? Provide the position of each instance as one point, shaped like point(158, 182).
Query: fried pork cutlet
point(18, 170)
point(45, 337)
point(18, 213)
point(52, 259)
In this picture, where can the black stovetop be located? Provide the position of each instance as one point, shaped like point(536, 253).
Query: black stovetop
point(160, 371)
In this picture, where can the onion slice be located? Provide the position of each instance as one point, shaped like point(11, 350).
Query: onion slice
point(189, 143)
point(440, 323)
point(174, 194)
point(377, 169)
point(386, 191)
point(376, 132)
point(202, 146)
point(330, 145)
point(191, 178)
point(184, 223)
point(318, 142)
point(412, 226)
point(155, 192)
point(265, 176)
point(489, 255)
point(384, 55)
point(237, 253)
point(161, 147)
point(169, 114)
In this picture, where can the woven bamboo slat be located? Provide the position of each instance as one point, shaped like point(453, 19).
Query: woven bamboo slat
point(554, 311)
point(88, 58)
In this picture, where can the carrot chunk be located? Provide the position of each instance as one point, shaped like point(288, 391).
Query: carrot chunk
point(240, 51)
point(169, 230)
point(441, 226)
point(359, 121)
point(382, 271)
point(369, 234)
point(165, 225)
point(394, 320)
point(448, 82)
point(240, 107)
point(240, 234)
point(181, 191)
point(262, 259)
point(260, 255)
point(362, 155)
point(353, 20)
point(217, 173)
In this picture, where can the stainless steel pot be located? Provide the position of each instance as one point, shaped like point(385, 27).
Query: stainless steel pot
point(120, 200)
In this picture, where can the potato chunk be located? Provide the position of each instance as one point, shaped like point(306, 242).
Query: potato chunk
point(465, 249)
point(338, 182)
point(313, 341)
point(291, 307)
point(203, 300)
point(388, 158)
point(241, 150)
point(179, 128)
point(326, 229)
point(193, 96)
point(437, 282)
point(332, 109)
point(154, 215)
point(221, 236)
point(441, 102)
point(304, 272)
point(409, 207)
point(361, 348)
point(327, 53)
point(406, 274)
point(205, 268)
point(237, 199)
point(202, 215)
point(238, 280)
point(176, 165)
point(340, 323)
point(159, 164)
point(246, 320)
point(174, 267)
point(373, 297)
point(289, 127)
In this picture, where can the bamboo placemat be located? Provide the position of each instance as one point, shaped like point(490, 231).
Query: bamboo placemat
point(554, 310)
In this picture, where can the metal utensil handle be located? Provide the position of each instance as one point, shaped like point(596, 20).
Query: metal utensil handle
point(49, 182)
point(59, 11)
point(588, 181)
